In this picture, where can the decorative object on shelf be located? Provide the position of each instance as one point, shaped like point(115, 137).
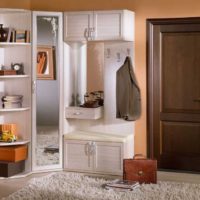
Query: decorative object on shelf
point(3, 34)
point(7, 72)
point(9, 127)
point(93, 99)
point(8, 133)
point(46, 63)
point(12, 101)
point(18, 67)
point(7, 136)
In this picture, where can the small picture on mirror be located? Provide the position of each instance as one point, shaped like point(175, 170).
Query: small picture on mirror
point(45, 62)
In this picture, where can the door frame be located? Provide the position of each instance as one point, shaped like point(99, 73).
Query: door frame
point(150, 60)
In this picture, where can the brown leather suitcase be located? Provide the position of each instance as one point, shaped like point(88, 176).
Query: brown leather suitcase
point(140, 169)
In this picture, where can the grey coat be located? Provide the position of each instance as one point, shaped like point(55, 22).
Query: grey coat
point(128, 99)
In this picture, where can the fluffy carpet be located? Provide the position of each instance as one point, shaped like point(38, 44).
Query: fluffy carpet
point(73, 186)
point(46, 158)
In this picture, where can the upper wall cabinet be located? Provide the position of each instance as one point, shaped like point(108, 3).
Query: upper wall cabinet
point(99, 26)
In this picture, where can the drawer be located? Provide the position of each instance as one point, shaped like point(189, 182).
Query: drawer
point(83, 113)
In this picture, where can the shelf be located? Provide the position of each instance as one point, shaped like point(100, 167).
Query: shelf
point(14, 109)
point(10, 44)
point(19, 142)
point(13, 76)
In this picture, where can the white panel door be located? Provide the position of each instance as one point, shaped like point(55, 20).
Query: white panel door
point(77, 25)
point(107, 25)
point(77, 156)
point(108, 157)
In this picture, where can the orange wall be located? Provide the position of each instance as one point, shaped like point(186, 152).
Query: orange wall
point(144, 9)
point(24, 4)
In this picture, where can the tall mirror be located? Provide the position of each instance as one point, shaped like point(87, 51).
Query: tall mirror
point(47, 142)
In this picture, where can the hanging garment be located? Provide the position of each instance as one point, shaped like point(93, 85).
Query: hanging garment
point(128, 99)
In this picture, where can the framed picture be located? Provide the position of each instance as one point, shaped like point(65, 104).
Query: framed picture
point(45, 62)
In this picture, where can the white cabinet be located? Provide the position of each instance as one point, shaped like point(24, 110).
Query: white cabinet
point(91, 156)
point(99, 25)
point(20, 84)
point(77, 155)
point(108, 157)
point(78, 25)
point(96, 153)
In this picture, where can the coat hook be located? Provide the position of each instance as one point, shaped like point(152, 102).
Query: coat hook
point(108, 53)
point(118, 57)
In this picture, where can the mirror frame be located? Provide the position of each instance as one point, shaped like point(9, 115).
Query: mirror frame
point(60, 73)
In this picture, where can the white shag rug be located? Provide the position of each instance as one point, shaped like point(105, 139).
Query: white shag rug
point(45, 158)
point(74, 186)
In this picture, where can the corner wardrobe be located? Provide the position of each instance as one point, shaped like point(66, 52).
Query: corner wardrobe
point(65, 62)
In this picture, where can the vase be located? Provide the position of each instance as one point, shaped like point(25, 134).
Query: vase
point(3, 34)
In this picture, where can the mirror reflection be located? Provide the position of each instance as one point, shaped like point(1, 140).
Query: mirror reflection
point(47, 100)
point(95, 73)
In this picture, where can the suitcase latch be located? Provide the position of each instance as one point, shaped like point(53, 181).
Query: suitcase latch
point(140, 173)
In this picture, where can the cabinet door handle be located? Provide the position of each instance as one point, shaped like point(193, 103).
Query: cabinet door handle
point(93, 148)
point(91, 33)
point(86, 34)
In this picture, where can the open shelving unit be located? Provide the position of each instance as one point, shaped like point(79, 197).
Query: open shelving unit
point(11, 53)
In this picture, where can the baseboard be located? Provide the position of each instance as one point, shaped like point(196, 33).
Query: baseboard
point(180, 177)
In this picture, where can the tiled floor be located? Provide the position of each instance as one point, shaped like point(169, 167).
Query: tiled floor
point(10, 185)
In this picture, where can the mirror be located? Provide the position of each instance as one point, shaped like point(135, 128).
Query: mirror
point(47, 145)
point(86, 75)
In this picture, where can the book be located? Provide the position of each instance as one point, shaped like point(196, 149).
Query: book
point(7, 72)
point(27, 34)
point(122, 185)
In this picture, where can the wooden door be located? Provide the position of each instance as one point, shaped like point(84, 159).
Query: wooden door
point(174, 93)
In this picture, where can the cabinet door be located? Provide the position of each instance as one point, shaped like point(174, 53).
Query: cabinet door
point(108, 157)
point(107, 25)
point(76, 155)
point(77, 25)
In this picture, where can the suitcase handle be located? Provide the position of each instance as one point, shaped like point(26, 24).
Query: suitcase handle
point(139, 156)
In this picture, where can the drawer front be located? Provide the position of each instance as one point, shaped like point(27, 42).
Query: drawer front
point(83, 113)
